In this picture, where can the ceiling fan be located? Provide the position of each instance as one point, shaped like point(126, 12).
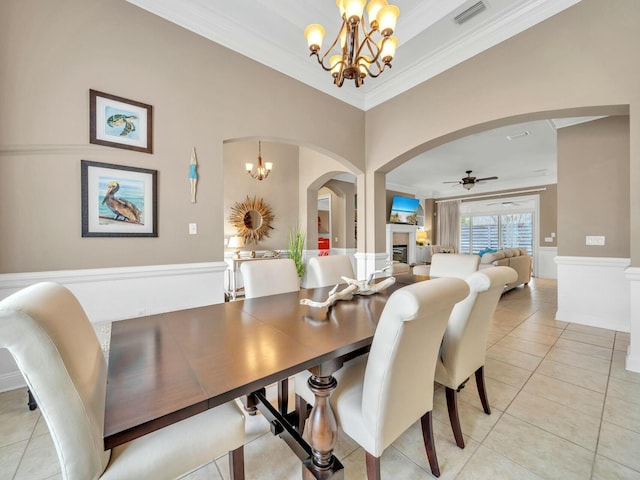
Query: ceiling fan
point(468, 182)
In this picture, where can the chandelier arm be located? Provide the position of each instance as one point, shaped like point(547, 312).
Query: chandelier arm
point(367, 41)
point(335, 41)
point(384, 66)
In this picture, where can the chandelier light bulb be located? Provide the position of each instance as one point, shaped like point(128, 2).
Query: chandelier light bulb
point(373, 8)
point(387, 18)
point(314, 34)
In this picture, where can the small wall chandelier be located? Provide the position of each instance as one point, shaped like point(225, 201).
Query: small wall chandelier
point(261, 171)
point(358, 56)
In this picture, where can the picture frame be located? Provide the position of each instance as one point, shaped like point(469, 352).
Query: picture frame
point(120, 123)
point(118, 201)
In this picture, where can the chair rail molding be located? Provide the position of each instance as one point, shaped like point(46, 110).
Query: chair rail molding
point(109, 294)
point(594, 291)
point(633, 351)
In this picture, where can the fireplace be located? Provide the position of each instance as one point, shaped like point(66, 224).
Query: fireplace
point(405, 238)
point(400, 253)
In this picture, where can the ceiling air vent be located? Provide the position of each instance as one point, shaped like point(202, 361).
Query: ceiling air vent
point(470, 12)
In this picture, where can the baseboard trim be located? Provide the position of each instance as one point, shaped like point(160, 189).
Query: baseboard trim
point(12, 381)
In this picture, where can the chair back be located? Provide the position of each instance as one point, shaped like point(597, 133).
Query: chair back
point(55, 347)
point(464, 345)
point(269, 277)
point(328, 270)
point(453, 265)
point(422, 270)
point(398, 381)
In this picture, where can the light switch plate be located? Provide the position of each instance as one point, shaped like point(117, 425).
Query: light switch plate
point(595, 240)
point(548, 239)
point(193, 229)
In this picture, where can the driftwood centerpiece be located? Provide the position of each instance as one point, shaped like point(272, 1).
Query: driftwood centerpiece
point(354, 287)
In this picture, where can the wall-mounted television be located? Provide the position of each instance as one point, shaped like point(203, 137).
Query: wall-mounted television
point(404, 210)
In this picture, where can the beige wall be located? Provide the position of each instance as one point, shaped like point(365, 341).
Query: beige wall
point(595, 156)
point(203, 94)
point(342, 212)
point(279, 189)
point(582, 61)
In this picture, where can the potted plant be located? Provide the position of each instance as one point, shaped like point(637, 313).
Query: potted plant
point(296, 247)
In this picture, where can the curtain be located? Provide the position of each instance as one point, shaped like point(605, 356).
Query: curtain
point(449, 224)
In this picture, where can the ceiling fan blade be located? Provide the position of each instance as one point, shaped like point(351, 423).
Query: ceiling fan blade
point(486, 178)
point(457, 181)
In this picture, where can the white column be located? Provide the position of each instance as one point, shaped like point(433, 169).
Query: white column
point(633, 351)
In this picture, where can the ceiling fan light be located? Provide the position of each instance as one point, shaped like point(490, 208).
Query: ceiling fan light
point(467, 186)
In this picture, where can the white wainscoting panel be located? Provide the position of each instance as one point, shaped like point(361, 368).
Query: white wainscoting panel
point(109, 294)
point(633, 351)
point(545, 263)
point(594, 291)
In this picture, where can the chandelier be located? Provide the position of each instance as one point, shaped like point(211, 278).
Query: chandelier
point(359, 54)
point(262, 171)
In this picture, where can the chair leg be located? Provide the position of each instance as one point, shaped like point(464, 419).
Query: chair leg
point(373, 466)
point(429, 444)
point(482, 391)
point(301, 413)
point(236, 463)
point(454, 417)
point(283, 396)
point(32, 401)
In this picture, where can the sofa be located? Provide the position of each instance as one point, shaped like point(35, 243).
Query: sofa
point(516, 258)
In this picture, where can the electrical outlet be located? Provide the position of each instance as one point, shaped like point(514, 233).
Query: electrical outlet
point(193, 229)
point(595, 240)
point(548, 239)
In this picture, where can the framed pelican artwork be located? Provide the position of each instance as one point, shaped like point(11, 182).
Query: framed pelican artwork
point(118, 201)
point(121, 123)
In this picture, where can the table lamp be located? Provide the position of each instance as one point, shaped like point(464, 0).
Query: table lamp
point(236, 242)
point(421, 237)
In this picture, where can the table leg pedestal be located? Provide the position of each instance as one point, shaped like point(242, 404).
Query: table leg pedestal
point(323, 428)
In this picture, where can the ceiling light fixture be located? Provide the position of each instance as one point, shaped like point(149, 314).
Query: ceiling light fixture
point(262, 171)
point(358, 57)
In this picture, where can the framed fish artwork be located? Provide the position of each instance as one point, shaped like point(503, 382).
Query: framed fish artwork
point(121, 123)
point(118, 201)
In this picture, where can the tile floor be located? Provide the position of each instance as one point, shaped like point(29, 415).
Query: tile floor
point(563, 407)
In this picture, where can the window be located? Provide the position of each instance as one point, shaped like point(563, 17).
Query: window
point(480, 229)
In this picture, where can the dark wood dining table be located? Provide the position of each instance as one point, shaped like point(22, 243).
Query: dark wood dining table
point(167, 367)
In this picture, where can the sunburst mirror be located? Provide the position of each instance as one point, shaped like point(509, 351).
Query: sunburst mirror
point(252, 219)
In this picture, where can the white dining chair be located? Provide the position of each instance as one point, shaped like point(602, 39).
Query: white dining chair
point(421, 270)
point(51, 339)
point(328, 270)
point(271, 277)
point(381, 395)
point(464, 344)
point(453, 265)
